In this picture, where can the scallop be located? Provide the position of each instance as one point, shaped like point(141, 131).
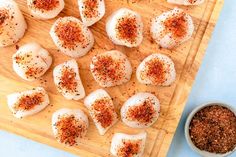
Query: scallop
point(141, 110)
point(186, 2)
point(172, 28)
point(67, 80)
point(12, 23)
point(31, 61)
point(101, 109)
point(30, 102)
point(72, 37)
point(111, 68)
point(91, 11)
point(125, 27)
point(156, 69)
point(124, 145)
point(69, 126)
point(45, 9)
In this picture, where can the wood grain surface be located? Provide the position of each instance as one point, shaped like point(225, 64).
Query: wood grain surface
point(187, 58)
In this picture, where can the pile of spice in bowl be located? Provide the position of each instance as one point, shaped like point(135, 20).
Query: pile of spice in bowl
point(211, 129)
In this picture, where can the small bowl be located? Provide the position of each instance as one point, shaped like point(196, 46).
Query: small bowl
point(187, 136)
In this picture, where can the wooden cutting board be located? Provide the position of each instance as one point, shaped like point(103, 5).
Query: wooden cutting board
point(187, 59)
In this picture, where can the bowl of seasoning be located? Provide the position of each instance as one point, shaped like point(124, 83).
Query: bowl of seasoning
point(210, 129)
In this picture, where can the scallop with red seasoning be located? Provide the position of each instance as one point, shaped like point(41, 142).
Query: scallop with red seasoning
point(72, 37)
point(69, 126)
point(125, 27)
point(156, 69)
point(172, 28)
point(101, 109)
point(141, 110)
point(111, 68)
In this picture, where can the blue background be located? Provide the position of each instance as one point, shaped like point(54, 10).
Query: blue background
point(216, 80)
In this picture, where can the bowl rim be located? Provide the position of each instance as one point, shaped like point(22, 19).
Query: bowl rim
point(189, 119)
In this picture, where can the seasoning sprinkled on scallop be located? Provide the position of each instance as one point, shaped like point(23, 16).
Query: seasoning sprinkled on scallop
point(91, 11)
point(125, 27)
point(141, 110)
point(124, 145)
point(101, 109)
point(69, 126)
point(111, 68)
point(72, 37)
point(45, 9)
point(28, 103)
point(12, 23)
point(186, 2)
point(67, 80)
point(172, 28)
point(156, 69)
point(31, 61)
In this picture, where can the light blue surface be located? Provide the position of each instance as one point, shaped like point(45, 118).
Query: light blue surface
point(216, 81)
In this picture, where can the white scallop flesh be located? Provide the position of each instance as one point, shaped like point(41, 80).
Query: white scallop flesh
point(156, 69)
point(91, 11)
point(125, 27)
point(45, 9)
point(27, 103)
point(99, 104)
point(72, 37)
point(12, 23)
point(67, 80)
point(31, 61)
point(82, 122)
point(121, 142)
point(134, 111)
point(186, 2)
point(111, 68)
point(172, 28)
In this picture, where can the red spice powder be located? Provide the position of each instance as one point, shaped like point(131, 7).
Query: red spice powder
point(107, 69)
point(23, 59)
point(143, 113)
point(192, 1)
point(103, 112)
point(91, 8)
point(28, 102)
point(213, 129)
point(176, 25)
point(3, 16)
point(155, 71)
point(46, 4)
point(69, 129)
point(129, 148)
point(127, 29)
point(68, 80)
point(70, 34)
point(33, 71)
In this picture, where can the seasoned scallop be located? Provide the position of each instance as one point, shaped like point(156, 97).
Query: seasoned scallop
point(31, 61)
point(12, 23)
point(91, 11)
point(72, 37)
point(67, 80)
point(141, 110)
point(124, 145)
point(125, 27)
point(28, 103)
point(172, 28)
point(186, 2)
point(111, 68)
point(156, 69)
point(45, 9)
point(69, 126)
point(101, 109)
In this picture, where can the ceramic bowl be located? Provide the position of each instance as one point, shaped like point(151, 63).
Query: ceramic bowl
point(187, 136)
